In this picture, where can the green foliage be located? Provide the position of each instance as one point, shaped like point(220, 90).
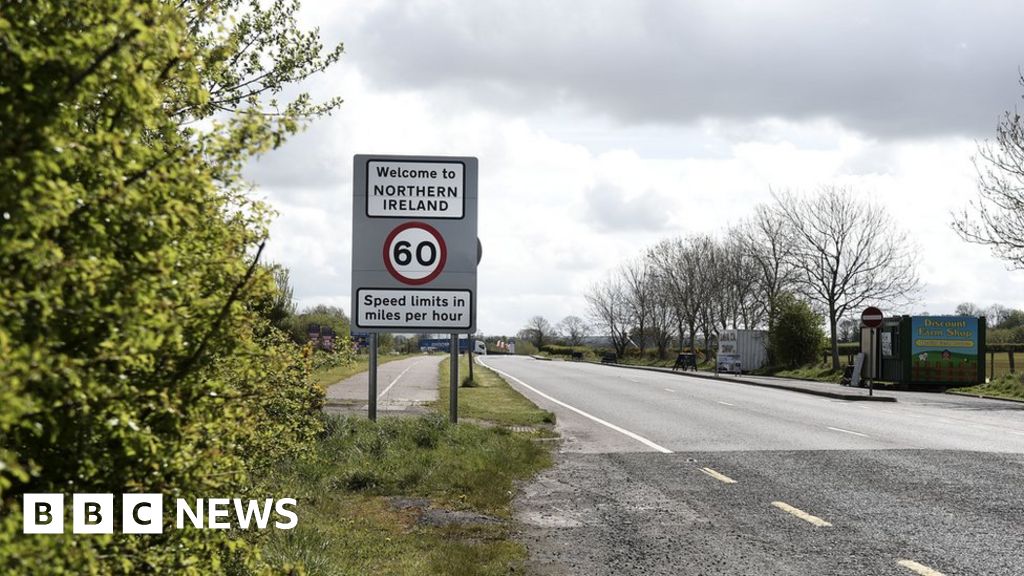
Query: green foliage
point(320, 315)
point(797, 335)
point(566, 351)
point(350, 525)
point(134, 353)
point(525, 348)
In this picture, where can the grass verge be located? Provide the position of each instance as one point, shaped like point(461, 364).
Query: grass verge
point(330, 376)
point(818, 372)
point(350, 521)
point(488, 397)
point(1009, 386)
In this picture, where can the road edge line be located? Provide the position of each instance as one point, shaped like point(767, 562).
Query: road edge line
point(618, 429)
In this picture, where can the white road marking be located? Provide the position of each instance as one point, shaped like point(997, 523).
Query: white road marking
point(724, 403)
point(718, 475)
point(395, 381)
point(919, 568)
point(848, 432)
point(801, 514)
point(621, 430)
point(669, 390)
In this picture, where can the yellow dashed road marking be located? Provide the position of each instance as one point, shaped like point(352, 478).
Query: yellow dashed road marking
point(800, 514)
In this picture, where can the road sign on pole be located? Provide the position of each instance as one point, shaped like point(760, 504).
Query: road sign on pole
point(871, 317)
point(414, 244)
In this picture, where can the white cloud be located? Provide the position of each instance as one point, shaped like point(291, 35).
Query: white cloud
point(569, 188)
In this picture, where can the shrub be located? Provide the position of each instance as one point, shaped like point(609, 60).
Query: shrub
point(796, 335)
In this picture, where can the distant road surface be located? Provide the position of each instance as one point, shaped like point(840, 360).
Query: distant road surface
point(669, 474)
point(402, 385)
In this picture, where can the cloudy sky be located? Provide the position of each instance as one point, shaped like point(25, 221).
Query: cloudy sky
point(603, 126)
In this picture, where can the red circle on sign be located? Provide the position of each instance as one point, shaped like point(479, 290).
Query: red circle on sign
point(442, 256)
point(871, 317)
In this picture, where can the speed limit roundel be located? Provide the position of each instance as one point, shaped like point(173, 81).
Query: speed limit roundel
point(414, 253)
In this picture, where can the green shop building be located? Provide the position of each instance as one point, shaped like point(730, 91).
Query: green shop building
point(928, 351)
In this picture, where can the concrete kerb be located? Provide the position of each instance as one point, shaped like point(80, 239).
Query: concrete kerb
point(986, 397)
point(811, 391)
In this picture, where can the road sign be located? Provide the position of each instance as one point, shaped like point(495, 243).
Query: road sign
point(871, 317)
point(415, 253)
point(414, 244)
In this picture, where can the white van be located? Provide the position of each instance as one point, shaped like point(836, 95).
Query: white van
point(479, 348)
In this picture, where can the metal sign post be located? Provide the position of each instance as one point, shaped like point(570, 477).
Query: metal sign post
point(469, 354)
point(372, 391)
point(872, 318)
point(453, 373)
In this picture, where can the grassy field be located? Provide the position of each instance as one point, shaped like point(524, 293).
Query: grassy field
point(1008, 386)
point(488, 397)
point(356, 507)
point(362, 364)
point(1002, 364)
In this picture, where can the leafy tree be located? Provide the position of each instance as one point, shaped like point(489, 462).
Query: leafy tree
point(796, 336)
point(320, 315)
point(133, 353)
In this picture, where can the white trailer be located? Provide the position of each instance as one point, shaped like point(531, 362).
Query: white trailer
point(742, 350)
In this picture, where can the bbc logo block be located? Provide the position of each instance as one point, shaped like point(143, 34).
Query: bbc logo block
point(93, 514)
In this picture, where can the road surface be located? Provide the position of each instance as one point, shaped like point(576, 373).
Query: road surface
point(402, 386)
point(669, 474)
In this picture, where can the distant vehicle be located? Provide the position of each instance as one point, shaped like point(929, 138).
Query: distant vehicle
point(479, 348)
point(742, 350)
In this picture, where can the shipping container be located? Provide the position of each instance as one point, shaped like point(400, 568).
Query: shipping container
point(742, 350)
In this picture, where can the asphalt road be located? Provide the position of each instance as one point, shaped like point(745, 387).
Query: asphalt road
point(402, 385)
point(669, 474)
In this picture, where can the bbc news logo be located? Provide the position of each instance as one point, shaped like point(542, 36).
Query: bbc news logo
point(144, 514)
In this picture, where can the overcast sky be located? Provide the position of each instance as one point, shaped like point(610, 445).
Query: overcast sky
point(604, 126)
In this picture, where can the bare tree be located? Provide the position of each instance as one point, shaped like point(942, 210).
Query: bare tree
point(969, 309)
point(539, 331)
point(848, 254)
point(995, 314)
point(740, 272)
point(574, 329)
point(640, 298)
point(998, 212)
point(609, 311)
point(677, 285)
point(767, 240)
point(662, 311)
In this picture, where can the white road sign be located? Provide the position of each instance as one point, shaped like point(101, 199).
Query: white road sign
point(435, 310)
point(415, 189)
point(414, 244)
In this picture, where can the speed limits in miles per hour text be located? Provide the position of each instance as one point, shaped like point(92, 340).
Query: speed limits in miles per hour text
point(414, 244)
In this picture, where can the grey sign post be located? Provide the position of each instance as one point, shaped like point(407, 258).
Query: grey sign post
point(414, 249)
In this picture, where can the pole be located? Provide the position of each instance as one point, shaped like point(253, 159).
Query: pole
point(371, 405)
point(453, 384)
point(871, 381)
point(469, 351)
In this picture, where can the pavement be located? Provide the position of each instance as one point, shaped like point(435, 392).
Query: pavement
point(403, 386)
point(671, 474)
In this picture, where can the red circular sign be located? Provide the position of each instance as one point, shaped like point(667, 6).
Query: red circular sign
point(415, 253)
point(871, 317)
